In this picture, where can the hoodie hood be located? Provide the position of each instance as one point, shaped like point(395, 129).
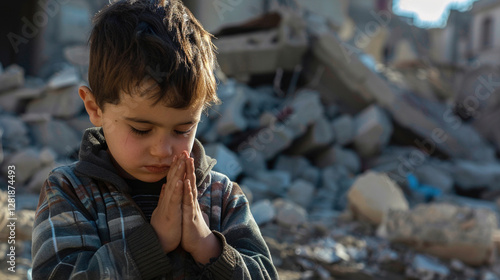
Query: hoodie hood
point(95, 162)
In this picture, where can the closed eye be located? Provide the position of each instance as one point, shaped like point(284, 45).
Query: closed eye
point(182, 132)
point(139, 132)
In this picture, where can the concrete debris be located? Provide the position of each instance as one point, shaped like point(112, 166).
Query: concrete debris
point(373, 131)
point(228, 162)
point(444, 230)
point(12, 77)
point(372, 195)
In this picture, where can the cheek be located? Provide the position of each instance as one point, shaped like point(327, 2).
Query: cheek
point(183, 144)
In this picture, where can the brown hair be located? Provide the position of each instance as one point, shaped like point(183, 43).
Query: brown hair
point(137, 41)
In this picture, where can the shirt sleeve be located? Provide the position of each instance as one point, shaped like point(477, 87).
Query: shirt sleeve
point(70, 242)
point(245, 254)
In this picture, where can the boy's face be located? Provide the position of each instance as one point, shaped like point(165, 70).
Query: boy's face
point(144, 138)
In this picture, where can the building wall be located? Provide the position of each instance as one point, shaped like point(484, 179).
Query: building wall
point(486, 54)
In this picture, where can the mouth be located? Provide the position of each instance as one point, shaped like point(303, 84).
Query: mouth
point(157, 168)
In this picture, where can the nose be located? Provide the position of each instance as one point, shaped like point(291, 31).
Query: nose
point(162, 148)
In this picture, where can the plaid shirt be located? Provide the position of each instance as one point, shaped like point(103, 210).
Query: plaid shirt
point(88, 227)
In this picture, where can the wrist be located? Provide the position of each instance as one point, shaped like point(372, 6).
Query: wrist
point(209, 249)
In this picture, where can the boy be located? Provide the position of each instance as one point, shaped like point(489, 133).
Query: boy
point(142, 201)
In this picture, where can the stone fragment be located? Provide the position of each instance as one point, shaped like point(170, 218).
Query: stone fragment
point(444, 230)
point(337, 155)
point(373, 194)
point(11, 100)
point(295, 165)
point(14, 133)
point(278, 179)
point(65, 78)
point(26, 162)
point(373, 131)
point(306, 109)
point(301, 192)
point(424, 267)
point(432, 175)
point(263, 211)
point(289, 214)
point(470, 175)
point(232, 119)
point(11, 77)
point(60, 102)
point(252, 161)
point(318, 136)
point(227, 161)
point(54, 134)
point(259, 189)
point(36, 182)
point(343, 129)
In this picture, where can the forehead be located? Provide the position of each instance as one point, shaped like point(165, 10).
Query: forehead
point(144, 107)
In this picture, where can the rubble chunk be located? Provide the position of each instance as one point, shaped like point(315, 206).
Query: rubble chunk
point(12, 77)
point(444, 230)
point(373, 194)
point(227, 161)
point(373, 131)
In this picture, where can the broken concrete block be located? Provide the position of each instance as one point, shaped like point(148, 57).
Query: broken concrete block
point(252, 161)
point(306, 109)
point(270, 141)
point(444, 230)
point(65, 78)
point(12, 77)
point(336, 155)
point(373, 194)
point(36, 182)
point(432, 175)
point(227, 161)
point(469, 175)
point(27, 163)
point(425, 267)
point(318, 136)
point(263, 211)
point(281, 46)
point(343, 128)
point(289, 214)
point(259, 189)
point(278, 179)
point(62, 103)
point(301, 192)
point(55, 134)
point(232, 119)
point(11, 100)
point(295, 165)
point(439, 129)
point(373, 131)
point(14, 133)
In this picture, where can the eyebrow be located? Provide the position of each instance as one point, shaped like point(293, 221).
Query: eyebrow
point(138, 120)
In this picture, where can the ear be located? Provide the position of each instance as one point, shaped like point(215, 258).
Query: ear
point(95, 113)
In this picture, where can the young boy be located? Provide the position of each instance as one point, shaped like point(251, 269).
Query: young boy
point(143, 202)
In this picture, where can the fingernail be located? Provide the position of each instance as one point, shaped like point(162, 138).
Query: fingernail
point(175, 158)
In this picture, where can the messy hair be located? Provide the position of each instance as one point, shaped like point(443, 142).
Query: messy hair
point(158, 43)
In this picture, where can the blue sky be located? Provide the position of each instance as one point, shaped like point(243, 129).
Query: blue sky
point(429, 13)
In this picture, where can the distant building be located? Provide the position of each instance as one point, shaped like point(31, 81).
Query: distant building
point(485, 32)
point(451, 45)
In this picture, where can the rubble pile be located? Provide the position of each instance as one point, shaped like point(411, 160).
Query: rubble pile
point(350, 174)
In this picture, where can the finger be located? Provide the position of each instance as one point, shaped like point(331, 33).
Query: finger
point(177, 194)
point(188, 195)
point(173, 168)
point(192, 177)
